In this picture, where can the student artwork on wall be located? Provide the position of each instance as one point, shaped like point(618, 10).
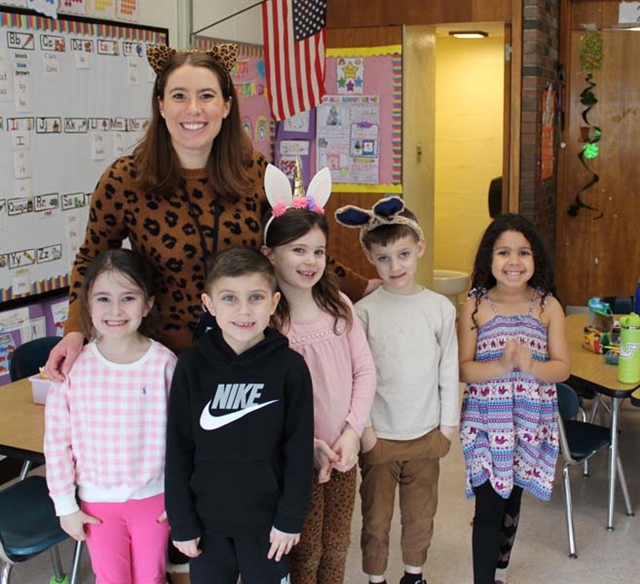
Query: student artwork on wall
point(359, 123)
point(295, 140)
point(74, 95)
point(248, 76)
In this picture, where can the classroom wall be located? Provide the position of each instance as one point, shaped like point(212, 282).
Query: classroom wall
point(246, 27)
point(469, 85)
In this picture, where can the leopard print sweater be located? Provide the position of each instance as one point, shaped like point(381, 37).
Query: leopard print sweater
point(176, 236)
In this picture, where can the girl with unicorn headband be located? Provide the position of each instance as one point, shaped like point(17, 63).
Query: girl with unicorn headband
point(321, 324)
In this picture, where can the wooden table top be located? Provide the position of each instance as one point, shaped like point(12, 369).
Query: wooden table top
point(21, 422)
point(591, 367)
point(635, 397)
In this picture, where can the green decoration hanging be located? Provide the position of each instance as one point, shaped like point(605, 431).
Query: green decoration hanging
point(589, 151)
point(591, 51)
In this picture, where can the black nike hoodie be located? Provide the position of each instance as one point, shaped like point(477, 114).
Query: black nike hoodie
point(239, 439)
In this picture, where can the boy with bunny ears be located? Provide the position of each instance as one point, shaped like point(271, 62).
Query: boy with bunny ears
point(411, 332)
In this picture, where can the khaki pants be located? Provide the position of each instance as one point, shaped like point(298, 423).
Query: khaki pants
point(414, 466)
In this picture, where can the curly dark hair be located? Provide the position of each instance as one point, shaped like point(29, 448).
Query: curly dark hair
point(482, 276)
point(296, 223)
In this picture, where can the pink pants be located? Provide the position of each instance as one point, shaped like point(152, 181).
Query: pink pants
point(129, 546)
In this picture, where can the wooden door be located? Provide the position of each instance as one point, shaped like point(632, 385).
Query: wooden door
point(602, 256)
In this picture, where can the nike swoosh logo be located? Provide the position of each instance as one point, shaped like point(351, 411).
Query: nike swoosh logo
point(209, 422)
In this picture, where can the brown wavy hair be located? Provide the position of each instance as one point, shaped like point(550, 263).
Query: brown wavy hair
point(158, 166)
point(296, 223)
point(132, 266)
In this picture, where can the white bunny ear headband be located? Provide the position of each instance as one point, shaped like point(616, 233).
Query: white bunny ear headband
point(385, 212)
point(281, 197)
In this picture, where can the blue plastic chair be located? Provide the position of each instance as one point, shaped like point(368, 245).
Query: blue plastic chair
point(579, 441)
point(29, 526)
point(27, 359)
point(28, 523)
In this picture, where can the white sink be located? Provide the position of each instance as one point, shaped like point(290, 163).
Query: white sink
point(450, 283)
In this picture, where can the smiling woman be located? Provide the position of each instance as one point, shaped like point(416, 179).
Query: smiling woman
point(193, 108)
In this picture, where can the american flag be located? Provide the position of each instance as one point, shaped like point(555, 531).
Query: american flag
point(294, 39)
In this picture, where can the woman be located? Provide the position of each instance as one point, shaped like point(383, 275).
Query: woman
point(194, 185)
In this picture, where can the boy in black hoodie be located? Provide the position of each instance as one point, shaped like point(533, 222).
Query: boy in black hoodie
point(240, 433)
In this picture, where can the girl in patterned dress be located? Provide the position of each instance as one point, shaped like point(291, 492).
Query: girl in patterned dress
point(513, 349)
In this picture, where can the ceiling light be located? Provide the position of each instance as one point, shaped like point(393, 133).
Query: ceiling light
point(468, 34)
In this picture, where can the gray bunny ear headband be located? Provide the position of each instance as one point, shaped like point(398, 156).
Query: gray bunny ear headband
point(385, 212)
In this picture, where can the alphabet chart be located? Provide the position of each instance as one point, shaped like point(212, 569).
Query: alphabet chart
point(74, 96)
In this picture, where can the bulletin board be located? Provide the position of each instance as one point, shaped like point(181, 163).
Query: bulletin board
point(249, 79)
point(359, 122)
point(74, 96)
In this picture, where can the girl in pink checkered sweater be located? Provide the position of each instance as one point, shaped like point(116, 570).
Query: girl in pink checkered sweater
point(106, 427)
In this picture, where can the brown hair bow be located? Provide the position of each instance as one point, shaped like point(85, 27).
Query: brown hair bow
point(224, 53)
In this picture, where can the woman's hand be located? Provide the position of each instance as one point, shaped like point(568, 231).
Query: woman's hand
point(63, 356)
point(188, 548)
point(281, 543)
point(323, 459)
point(73, 524)
point(347, 447)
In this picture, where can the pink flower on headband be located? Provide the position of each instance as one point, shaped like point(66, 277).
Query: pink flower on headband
point(280, 196)
point(278, 210)
point(299, 203)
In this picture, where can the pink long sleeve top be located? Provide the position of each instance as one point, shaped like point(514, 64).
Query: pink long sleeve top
point(342, 371)
point(105, 429)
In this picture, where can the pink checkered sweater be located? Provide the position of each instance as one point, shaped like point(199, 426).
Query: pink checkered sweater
point(105, 429)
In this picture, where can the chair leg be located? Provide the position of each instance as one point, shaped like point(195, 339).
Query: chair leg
point(623, 486)
point(24, 471)
point(58, 572)
point(594, 410)
point(4, 575)
point(569, 512)
point(76, 562)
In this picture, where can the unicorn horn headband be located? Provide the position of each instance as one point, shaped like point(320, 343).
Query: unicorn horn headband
point(281, 197)
point(385, 212)
point(224, 53)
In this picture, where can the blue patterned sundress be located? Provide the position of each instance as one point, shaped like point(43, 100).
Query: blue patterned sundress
point(509, 428)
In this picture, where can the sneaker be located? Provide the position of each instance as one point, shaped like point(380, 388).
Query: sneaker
point(500, 582)
point(422, 581)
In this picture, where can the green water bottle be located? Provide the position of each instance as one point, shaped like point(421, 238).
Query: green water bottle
point(629, 360)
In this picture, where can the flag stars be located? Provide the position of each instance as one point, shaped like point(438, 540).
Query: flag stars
point(309, 17)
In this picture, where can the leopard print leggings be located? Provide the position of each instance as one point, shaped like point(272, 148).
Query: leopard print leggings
point(321, 555)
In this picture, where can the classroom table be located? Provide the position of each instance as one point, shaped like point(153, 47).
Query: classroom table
point(21, 423)
point(589, 370)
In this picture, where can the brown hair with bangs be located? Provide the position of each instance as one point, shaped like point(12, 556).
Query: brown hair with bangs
point(294, 224)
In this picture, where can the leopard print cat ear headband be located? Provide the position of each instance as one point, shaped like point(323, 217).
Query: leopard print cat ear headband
point(224, 53)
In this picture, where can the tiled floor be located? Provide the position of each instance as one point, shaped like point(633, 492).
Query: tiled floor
point(540, 552)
